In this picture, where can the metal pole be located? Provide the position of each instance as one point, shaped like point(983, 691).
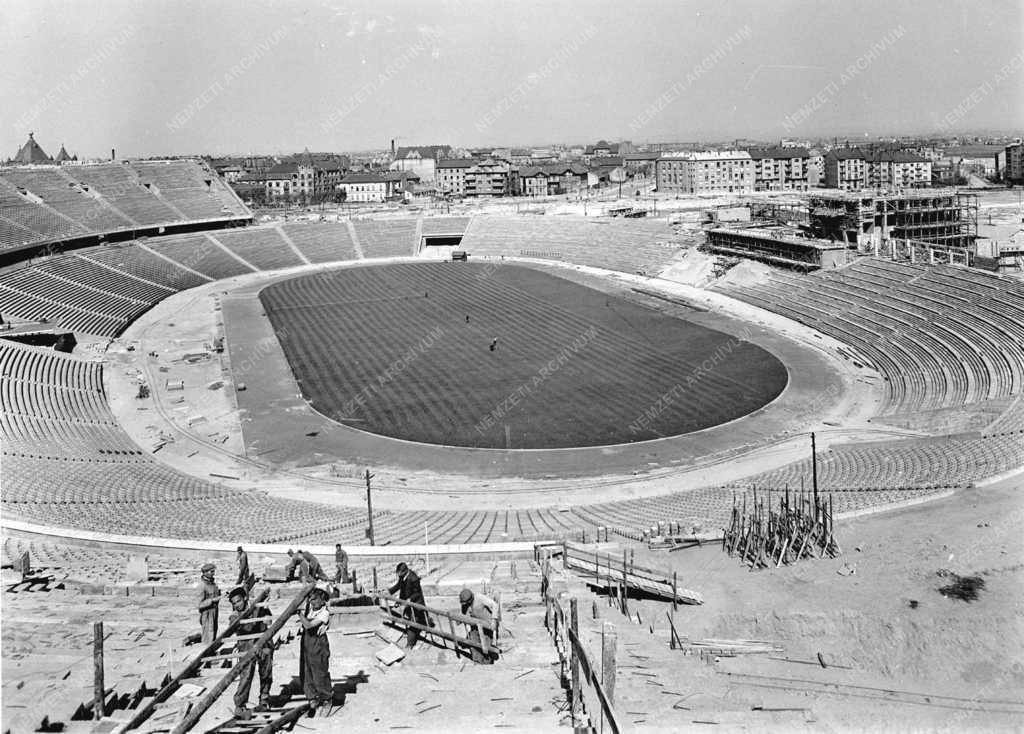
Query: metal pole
point(369, 506)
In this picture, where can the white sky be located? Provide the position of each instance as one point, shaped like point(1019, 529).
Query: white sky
point(235, 76)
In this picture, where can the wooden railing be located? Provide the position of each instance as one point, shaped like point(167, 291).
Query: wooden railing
point(394, 610)
point(590, 690)
point(622, 574)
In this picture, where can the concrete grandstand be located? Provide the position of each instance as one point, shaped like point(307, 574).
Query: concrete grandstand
point(942, 347)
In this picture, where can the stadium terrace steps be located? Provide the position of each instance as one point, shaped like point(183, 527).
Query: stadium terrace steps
point(142, 264)
point(950, 340)
point(201, 254)
point(322, 242)
point(262, 247)
point(41, 204)
point(386, 237)
point(627, 246)
point(941, 336)
point(444, 225)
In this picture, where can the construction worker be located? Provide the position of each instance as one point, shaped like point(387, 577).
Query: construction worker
point(209, 603)
point(316, 571)
point(245, 576)
point(316, 653)
point(485, 609)
point(239, 598)
point(341, 561)
point(409, 589)
point(298, 561)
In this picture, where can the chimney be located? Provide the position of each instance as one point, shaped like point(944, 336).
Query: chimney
point(112, 156)
point(392, 147)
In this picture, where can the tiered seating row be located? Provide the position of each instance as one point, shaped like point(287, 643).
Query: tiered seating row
point(262, 246)
point(386, 237)
point(142, 264)
point(941, 336)
point(201, 254)
point(110, 197)
point(627, 246)
point(321, 242)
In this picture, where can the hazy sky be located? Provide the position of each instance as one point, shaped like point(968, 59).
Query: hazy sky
point(234, 76)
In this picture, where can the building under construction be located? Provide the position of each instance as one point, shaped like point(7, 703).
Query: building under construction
point(940, 217)
point(778, 246)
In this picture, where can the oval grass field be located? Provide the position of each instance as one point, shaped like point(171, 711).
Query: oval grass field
point(404, 350)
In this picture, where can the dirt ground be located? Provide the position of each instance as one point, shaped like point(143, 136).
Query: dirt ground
point(887, 622)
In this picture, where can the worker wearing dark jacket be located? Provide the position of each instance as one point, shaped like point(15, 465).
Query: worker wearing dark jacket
point(243, 569)
point(409, 589)
point(208, 600)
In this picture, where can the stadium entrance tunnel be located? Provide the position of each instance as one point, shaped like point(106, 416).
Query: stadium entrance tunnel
point(507, 357)
point(442, 240)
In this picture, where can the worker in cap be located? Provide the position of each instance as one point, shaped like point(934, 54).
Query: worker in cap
point(264, 661)
point(244, 574)
point(486, 610)
point(208, 599)
point(409, 589)
point(315, 657)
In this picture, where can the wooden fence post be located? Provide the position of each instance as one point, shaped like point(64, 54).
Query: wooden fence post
point(97, 670)
point(574, 626)
point(609, 641)
point(625, 585)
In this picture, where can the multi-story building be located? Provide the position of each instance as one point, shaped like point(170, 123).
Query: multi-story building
point(845, 168)
point(815, 168)
point(421, 160)
point(1013, 170)
point(897, 169)
point(780, 169)
point(709, 172)
point(302, 178)
point(552, 180)
point(491, 177)
point(376, 186)
point(451, 175)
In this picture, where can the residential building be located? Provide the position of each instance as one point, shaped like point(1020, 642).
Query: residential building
point(451, 175)
point(376, 186)
point(815, 168)
point(845, 168)
point(780, 169)
point(552, 180)
point(421, 160)
point(897, 169)
point(708, 172)
point(303, 178)
point(1014, 165)
point(491, 177)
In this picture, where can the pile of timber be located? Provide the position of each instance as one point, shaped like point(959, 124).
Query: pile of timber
point(801, 527)
point(614, 573)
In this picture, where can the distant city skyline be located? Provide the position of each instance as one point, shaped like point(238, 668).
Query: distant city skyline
point(179, 78)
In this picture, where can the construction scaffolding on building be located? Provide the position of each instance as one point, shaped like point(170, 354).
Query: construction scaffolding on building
point(940, 217)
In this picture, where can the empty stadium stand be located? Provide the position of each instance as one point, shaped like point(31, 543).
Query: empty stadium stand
point(941, 335)
point(628, 246)
point(944, 338)
point(386, 237)
point(40, 205)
